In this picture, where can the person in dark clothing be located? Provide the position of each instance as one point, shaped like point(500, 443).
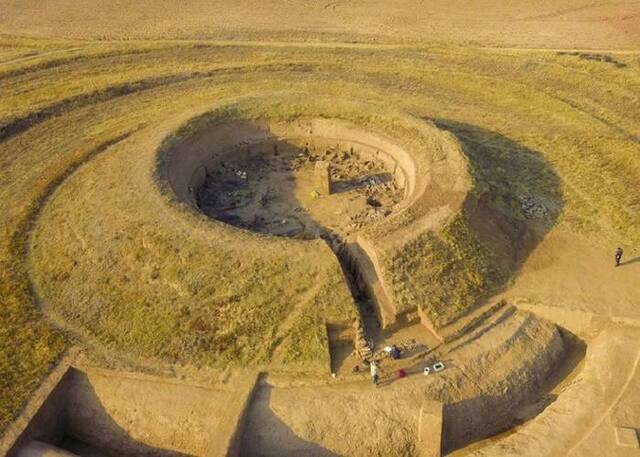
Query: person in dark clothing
point(619, 253)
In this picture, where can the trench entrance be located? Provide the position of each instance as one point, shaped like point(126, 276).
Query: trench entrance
point(364, 301)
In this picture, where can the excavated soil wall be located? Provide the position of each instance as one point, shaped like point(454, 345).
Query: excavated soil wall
point(187, 162)
point(364, 265)
point(495, 410)
point(105, 413)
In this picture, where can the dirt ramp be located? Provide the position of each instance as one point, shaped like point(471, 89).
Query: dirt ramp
point(509, 359)
point(494, 375)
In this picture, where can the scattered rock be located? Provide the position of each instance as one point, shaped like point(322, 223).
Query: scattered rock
point(532, 208)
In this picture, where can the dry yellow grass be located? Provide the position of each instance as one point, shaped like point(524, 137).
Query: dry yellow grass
point(547, 24)
point(73, 114)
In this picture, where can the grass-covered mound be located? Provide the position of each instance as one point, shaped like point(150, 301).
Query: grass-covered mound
point(134, 268)
point(445, 274)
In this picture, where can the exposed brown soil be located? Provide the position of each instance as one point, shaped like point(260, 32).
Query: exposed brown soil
point(98, 413)
point(481, 387)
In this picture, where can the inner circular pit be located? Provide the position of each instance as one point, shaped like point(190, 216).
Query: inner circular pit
point(306, 179)
point(283, 188)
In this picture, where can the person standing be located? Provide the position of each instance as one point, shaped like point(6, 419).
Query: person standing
point(375, 372)
point(619, 253)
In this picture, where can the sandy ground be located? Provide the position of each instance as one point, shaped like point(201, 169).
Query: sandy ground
point(571, 273)
point(547, 24)
point(567, 279)
point(574, 282)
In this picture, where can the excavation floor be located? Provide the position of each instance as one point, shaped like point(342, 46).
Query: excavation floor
point(277, 189)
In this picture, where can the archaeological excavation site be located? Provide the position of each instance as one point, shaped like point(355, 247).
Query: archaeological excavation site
point(263, 241)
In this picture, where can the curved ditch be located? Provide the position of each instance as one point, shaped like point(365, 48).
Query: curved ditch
point(21, 124)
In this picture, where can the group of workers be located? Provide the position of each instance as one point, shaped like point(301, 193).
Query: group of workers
point(394, 353)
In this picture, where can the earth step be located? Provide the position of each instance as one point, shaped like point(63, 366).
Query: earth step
point(470, 321)
point(504, 317)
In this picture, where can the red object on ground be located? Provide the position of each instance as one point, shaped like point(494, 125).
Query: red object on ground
point(402, 373)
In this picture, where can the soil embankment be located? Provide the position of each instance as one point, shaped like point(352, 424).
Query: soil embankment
point(100, 412)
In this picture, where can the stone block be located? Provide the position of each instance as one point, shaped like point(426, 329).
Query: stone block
point(323, 177)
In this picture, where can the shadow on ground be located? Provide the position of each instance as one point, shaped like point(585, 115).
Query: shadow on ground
point(76, 420)
point(266, 435)
point(464, 420)
point(517, 197)
point(630, 261)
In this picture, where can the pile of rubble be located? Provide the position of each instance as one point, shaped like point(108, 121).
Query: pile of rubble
point(363, 349)
point(531, 207)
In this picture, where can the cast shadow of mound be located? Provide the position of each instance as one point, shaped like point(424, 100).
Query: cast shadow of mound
point(265, 434)
point(517, 198)
point(253, 184)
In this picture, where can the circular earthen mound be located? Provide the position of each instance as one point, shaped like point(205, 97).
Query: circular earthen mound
point(164, 259)
point(140, 268)
point(146, 274)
